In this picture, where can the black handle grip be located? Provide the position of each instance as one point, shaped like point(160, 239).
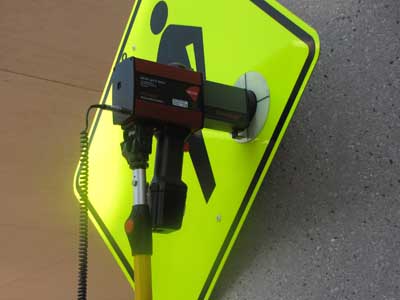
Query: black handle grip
point(168, 192)
point(138, 230)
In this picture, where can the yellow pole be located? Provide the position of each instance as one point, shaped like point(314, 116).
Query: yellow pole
point(142, 267)
point(138, 226)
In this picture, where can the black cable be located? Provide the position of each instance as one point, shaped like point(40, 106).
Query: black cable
point(113, 108)
point(83, 189)
point(83, 215)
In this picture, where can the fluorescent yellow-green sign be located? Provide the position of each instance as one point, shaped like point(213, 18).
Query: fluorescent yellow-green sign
point(224, 40)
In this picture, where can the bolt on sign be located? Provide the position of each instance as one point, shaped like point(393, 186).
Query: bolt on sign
point(254, 44)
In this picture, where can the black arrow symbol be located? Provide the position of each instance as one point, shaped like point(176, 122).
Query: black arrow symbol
point(201, 162)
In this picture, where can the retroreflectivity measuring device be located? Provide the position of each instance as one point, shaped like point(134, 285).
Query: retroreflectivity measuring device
point(171, 103)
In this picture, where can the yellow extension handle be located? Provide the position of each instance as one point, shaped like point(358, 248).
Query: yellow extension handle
point(143, 289)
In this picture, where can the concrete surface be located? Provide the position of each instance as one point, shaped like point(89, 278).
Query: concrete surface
point(326, 222)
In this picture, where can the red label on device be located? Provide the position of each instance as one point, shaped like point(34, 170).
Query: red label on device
point(193, 92)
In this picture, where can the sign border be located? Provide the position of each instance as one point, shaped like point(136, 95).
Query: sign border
point(309, 41)
point(311, 44)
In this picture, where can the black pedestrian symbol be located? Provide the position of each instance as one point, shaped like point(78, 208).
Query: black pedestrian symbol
point(173, 49)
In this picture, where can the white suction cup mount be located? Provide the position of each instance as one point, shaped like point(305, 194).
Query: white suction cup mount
point(256, 83)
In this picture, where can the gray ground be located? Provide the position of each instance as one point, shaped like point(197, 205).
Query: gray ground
point(327, 218)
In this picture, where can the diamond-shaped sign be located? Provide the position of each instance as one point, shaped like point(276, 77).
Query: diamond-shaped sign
point(248, 42)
